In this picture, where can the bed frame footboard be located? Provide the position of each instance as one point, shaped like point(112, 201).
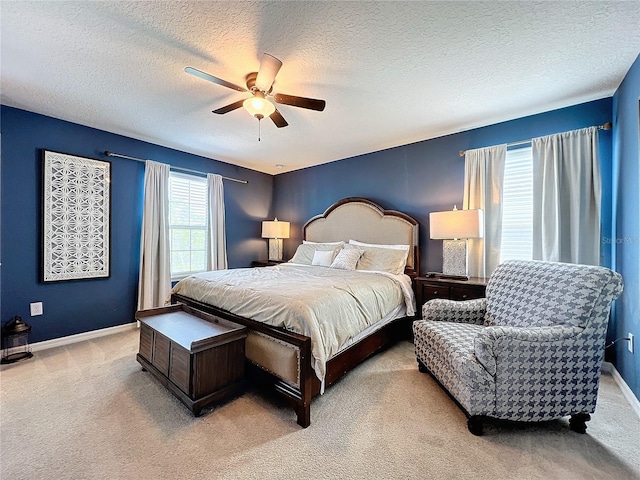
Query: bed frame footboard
point(277, 358)
point(281, 360)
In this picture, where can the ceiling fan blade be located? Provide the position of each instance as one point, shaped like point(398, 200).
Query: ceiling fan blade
point(229, 108)
point(278, 119)
point(211, 78)
point(302, 102)
point(269, 68)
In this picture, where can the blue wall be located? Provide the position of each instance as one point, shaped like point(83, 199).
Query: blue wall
point(626, 207)
point(83, 305)
point(428, 176)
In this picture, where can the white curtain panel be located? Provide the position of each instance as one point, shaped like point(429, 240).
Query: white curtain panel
point(483, 186)
point(217, 251)
point(567, 193)
point(155, 268)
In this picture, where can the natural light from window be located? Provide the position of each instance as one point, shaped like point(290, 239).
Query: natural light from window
point(517, 206)
point(187, 224)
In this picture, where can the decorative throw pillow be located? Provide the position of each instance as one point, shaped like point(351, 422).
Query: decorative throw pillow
point(383, 260)
point(304, 253)
point(347, 258)
point(322, 258)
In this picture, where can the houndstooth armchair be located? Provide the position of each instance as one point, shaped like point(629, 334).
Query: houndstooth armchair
point(530, 351)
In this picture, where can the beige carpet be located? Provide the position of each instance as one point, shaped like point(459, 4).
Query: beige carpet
point(87, 411)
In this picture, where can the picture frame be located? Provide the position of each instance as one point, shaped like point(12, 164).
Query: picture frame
point(76, 227)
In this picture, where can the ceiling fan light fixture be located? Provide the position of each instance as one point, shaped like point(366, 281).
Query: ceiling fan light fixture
point(258, 105)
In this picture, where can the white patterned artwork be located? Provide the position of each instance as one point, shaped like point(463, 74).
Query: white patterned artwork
point(76, 213)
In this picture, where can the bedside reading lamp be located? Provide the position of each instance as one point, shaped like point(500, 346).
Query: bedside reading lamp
point(275, 231)
point(454, 227)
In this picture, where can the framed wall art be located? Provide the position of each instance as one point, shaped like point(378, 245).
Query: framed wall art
point(76, 217)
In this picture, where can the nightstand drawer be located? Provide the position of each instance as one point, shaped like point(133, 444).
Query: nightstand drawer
point(430, 291)
point(467, 292)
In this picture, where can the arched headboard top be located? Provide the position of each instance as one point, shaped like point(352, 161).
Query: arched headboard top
point(357, 218)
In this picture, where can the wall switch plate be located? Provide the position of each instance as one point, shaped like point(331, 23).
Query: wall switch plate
point(36, 308)
point(630, 342)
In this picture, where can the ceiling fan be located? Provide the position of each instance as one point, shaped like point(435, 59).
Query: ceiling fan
point(260, 85)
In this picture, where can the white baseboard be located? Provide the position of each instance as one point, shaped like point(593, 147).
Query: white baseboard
point(608, 367)
point(79, 337)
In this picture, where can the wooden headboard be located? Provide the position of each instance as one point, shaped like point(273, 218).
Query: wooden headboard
point(363, 220)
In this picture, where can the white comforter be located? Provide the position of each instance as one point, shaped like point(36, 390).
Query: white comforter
point(328, 305)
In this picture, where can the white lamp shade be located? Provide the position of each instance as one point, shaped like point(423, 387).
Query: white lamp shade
point(275, 229)
point(456, 224)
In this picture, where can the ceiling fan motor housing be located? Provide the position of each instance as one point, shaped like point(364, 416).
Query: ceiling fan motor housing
point(251, 83)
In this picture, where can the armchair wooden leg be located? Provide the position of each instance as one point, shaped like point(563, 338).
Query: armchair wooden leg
point(421, 367)
point(577, 422)
point(474, 424)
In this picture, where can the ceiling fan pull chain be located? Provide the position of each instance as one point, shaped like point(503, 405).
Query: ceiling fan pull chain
point(259, 128)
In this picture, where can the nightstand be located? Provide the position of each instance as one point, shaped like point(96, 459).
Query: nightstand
point(265, 263)
point(428, 288)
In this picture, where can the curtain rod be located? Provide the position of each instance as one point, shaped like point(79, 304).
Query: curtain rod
point(111, 154)
point(606, 126)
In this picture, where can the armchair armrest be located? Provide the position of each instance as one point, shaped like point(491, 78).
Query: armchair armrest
point(466, 311)
point(527, 347)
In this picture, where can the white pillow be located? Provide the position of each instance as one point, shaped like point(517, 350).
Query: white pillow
point(305, 252)
point(323, 258)
point(377, 245)
point(323, 243)
point(392, 260)
point(347, 258)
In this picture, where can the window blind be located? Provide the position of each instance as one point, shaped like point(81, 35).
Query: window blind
point(187, 224)
point(517, 213)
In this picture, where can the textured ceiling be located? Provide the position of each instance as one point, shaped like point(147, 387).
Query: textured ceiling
point(391, 72)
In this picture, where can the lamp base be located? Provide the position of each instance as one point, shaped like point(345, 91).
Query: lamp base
point(454, 259)
point(275, 249)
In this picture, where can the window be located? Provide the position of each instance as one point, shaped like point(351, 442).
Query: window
point(187, 224)
point(517, 206)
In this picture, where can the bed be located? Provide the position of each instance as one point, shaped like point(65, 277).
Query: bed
point(299, 359)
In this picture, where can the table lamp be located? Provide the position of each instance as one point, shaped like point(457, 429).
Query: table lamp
point(275, 231)
point(454, 227)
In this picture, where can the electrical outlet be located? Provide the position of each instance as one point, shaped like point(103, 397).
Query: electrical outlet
point(36, 308)
point(630, 344)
